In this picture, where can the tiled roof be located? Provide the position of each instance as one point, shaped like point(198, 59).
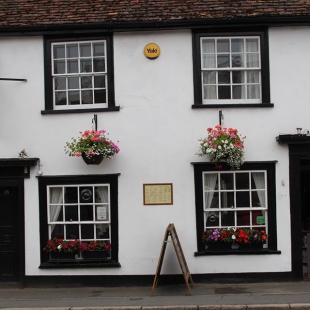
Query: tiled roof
point(44, 13)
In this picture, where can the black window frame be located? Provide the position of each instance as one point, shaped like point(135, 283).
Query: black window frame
point(265, 80)
point(270, 167)
point(45, 181)
point(48, 40)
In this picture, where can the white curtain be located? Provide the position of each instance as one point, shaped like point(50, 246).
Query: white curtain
point(104, 198)
point(210, 183)
point(259, 180)
point(56, 199)
point(252, 61)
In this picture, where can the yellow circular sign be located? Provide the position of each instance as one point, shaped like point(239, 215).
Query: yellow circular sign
point(151, 51)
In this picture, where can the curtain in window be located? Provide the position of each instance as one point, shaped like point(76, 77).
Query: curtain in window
point(259, 180)
point(103, 194)
point(56, 199)
point(252, 61)
point(210, 182)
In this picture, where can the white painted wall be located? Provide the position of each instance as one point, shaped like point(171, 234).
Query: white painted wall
point(158, 136)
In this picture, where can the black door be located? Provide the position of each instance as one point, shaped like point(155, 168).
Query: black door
point(9, 233)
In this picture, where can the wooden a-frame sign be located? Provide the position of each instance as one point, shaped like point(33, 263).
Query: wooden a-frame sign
point(170, 231)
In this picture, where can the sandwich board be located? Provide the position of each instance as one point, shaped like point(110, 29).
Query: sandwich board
point(171, 232)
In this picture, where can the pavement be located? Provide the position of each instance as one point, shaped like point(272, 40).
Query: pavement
point(205, 296)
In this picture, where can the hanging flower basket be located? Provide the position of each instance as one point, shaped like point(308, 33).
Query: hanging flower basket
point(93, 146)
point(223, 144)
point(92, 160)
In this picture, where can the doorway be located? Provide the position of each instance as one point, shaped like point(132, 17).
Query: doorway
point(9, 234)
point(305, 216)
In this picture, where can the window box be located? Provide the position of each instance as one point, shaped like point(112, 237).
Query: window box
point(61, 256)
point(218, 245)
point(95, 255)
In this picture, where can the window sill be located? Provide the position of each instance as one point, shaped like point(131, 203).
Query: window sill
point(79, 264)
point(110, 109)
point(237, 252)
point(227, 105)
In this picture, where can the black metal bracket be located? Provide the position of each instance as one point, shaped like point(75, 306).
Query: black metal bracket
point(10, 79)
point(95, 122)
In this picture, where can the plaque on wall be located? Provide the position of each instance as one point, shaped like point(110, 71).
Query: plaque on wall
point(158, 194)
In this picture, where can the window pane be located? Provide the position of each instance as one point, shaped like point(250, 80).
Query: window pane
point(86, 213)
point(208, 45)
point(55, 195)
point(227, 181)
point(252, 60)
point(71, 195)
point(60, 98)
point(72, 231)
point(59, 51)
point(212, 219)
point(258, 217)
point(72, 66)
point(209, 77)
point(242, 199)
point(238, 92)
point(227, 200)
point(59, 67)
point(210, 181)
point(237, 77)
point(85, 50)
point(223, 61)
point(255, 199)
point(87, 97)
point(237, 60)
point(100, 96)
point(71, 213)
point(224, 77)
point(242, 181)
point(252, 76)
point(253, 91)
point(56, 213)
point(86, 194)
point(223, 45)
point(102, 213)
point(86, 65)
point(73, 83)
point(99, 65)
point(86, 82)
point(102, 231)
point(57, 231)
point(74, 97)
point(87, 231)
point(258, 180)
point(101, 194)
point(98, 49)
point(243, 218)
point(72, 51)
point(209, 92)
point(212, 200)
point(251, 45)
point(208, 61)
point(60, 83)
point(228, 218)
point(99, 81)
point(237, 45)
point(224, 92)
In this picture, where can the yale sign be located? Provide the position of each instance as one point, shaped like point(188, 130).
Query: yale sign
point(151, 51)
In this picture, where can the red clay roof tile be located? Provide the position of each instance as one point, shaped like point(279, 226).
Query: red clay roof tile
point(36, 13)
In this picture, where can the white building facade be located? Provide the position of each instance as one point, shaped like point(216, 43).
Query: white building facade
point(155, 110)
